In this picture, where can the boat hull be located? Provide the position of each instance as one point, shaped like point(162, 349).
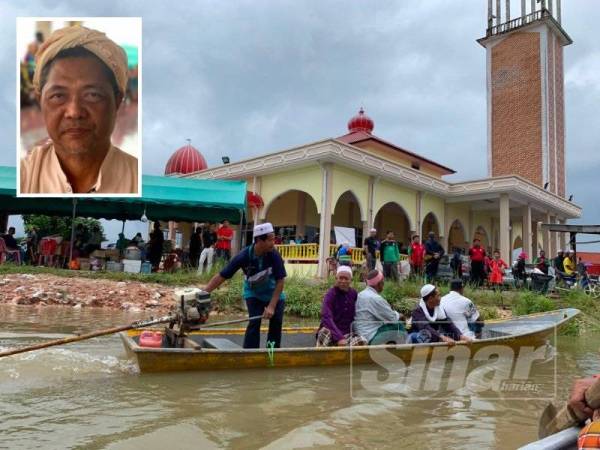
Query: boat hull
point(196, 357)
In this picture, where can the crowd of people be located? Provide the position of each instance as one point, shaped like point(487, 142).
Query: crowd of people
point(348, 317)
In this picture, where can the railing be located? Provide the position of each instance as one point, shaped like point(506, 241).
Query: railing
point(299, 252)
point(517, 23)
point(310, 253)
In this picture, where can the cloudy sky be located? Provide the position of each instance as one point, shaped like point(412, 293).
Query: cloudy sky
point(242, 78)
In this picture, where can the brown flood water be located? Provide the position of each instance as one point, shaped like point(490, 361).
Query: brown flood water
point(88, 395)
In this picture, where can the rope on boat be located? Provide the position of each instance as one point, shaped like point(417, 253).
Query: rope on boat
point(271, 352)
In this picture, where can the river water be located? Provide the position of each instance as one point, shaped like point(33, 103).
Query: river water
point(88, 395)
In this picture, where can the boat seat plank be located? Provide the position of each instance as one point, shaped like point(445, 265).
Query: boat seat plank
point(221, 344)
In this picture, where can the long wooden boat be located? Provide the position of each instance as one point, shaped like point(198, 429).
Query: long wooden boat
point(213, 349)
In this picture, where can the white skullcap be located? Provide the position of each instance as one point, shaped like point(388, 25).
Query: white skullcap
point(346, 269)
point(426, 290)
point(373, 230)
point(262, 229)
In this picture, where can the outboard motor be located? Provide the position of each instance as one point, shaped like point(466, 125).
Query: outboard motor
point(193, 306)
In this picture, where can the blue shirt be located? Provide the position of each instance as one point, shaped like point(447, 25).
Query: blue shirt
point(261, 273)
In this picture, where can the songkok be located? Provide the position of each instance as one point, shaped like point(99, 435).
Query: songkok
point(92, 40)
point(426, 290)
point(344, 269)
point(262, 229)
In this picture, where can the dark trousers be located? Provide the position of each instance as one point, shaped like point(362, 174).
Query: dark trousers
point(390, 271)
point(477, 273)
point(256, 307)
point(371, 261)
point(224, 254)
point(431, 269)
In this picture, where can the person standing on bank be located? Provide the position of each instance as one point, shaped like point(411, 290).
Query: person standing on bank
point(264, 276)
point(371, 247)
point(433, 252)
point(477, 255)
point(390, 256)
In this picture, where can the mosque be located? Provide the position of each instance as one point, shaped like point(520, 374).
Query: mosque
point(359, 180)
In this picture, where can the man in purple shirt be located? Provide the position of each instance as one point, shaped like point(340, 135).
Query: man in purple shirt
point(337, 313)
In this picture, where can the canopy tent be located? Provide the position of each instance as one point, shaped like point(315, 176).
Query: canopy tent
point(163, 198)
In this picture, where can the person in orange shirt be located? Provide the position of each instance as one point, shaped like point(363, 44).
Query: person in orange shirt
point(224, 238)
point(417, 256)
point(496, 269)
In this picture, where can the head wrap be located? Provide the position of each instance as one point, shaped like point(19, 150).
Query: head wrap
point(344, 269)
point(376, 280)
point(94, 41)
point(262, 229)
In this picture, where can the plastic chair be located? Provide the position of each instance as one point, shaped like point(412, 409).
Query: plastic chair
point(47, 251)
point(4, 252)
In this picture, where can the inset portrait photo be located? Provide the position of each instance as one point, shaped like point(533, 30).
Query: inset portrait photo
point(79, 106)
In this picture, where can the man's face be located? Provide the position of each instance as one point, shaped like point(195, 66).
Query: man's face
point(373, 234)
point(416, 239)
point(225, 223)
point(390, 236)
point(268, 244)
point(434, 299)
point(476, 244)
point(79, 106)
point(11, 231)
point(342, 281)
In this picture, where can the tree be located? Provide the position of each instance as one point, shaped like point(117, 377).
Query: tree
point(52, 225)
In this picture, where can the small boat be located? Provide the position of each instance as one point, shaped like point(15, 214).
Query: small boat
point(215, 349)
point(563, 440)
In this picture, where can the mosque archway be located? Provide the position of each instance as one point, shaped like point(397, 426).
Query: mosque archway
point(457, 237)
point(293, 214)
point(347, 213)
point(482, 235)
point(392, 217)
point(430, 223)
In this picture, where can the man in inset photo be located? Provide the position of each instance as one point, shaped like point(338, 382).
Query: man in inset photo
point(80, 81)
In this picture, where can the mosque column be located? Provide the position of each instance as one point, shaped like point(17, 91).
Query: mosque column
point(526, 225)
point(419, 223)
point(546, 238)
point(172, 231)
point(504, 228)
point(554, 244)
point(534, 238)
point(325, 220)
point(563, 239)
point(301, 215)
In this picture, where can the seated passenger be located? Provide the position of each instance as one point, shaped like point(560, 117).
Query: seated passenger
point(461, 311)
point(429, 321)
point(337, 313)
point(375, 320)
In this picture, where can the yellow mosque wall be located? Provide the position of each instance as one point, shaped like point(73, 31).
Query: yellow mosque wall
point(306, 179)
point(349, 180)
point(386, 192)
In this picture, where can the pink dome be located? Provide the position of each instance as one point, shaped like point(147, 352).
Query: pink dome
point(361, 122)
point(185, 160)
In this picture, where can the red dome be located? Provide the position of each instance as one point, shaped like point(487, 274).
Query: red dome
point(361, 122)
point(187, 159)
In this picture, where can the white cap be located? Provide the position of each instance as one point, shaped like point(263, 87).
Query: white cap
point(426, 290)
point(262, 229)
point(373, 230)
point(345, 269)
